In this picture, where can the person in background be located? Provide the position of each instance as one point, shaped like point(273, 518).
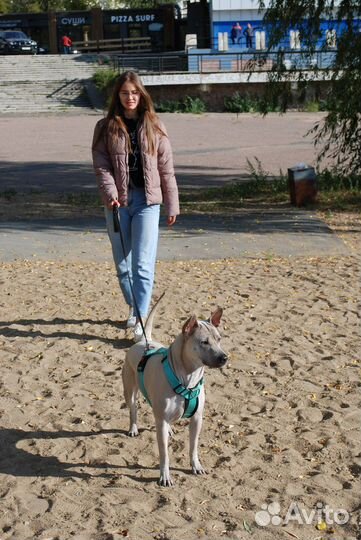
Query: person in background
point(236, 33)
point(133, 163)
point(249, 36)
point(67, 44)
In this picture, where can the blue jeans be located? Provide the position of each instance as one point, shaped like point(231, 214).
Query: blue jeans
point(139, 225)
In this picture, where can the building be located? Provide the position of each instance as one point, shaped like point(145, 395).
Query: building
point(225, 13)
point(158, 24)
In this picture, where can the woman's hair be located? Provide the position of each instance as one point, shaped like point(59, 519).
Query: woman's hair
point(115, 117)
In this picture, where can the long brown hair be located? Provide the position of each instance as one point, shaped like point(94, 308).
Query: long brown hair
point(147, 116)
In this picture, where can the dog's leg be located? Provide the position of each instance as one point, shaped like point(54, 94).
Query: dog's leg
point(130, 394)
point(162, 437)
point(195, 427)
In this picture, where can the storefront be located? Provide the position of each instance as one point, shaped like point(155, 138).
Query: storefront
point(48, 28)
point(76, 25)
point(34, 25)
point(136, 24)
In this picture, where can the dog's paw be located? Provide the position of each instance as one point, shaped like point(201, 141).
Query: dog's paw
point(165, 480)
point(133, 431)
point(198, 469)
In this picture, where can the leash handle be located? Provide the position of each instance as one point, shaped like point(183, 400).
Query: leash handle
point(116, 223)
point(117, 228)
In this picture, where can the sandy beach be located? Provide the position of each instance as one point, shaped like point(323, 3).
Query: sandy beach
point(281, 434)
point(281, 422)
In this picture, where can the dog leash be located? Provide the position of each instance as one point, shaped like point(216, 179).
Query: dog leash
point(117, 228)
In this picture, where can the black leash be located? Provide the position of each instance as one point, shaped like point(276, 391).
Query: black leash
point(117, 228)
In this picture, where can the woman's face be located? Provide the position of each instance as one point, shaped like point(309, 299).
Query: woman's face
point(129, 97)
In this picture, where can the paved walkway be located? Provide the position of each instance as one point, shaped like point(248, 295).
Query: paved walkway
point(209, 150)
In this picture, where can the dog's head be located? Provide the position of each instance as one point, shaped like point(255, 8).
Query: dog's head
point(202, 340)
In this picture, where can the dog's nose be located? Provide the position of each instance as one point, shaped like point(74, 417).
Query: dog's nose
point(223, 360)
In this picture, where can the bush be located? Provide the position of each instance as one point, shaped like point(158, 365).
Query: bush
point(243, 103)
point(187, 105)
point(193, 105)
point(330, 180)
point(238, 103)
point(168, 106)
point(104, 79)
point(312, 106)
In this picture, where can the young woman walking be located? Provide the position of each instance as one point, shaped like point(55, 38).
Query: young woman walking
point(133, 163)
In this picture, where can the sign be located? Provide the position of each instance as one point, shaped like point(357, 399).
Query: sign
point(116, 19)
point(10, 23)
point(72, 21)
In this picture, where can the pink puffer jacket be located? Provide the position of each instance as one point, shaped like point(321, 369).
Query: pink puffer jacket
point(110, 163)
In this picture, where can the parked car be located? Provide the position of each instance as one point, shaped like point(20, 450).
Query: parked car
point(16, 42)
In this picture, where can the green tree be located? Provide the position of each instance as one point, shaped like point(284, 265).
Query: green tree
point(31, 6)
point(339, 134)
point(21, 6)
point(146, 3)
point(3, 6)
point(66, 5)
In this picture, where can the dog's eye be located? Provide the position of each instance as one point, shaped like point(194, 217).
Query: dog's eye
point(205, 342)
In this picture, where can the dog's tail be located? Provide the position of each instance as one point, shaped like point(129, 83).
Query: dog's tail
point(149, 324)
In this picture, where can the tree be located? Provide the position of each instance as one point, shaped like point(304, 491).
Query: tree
point(339, 134)
point(20, 6)
point(66, 5)
point(146, 3)
point(31, 6)
point(4, 6)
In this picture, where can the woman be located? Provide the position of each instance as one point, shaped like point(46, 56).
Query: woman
point(133, 163)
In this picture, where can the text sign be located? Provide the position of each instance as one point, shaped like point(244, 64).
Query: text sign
point(132, 18)
point(72, 21)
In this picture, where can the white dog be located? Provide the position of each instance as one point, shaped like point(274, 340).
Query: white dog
point(172, 382)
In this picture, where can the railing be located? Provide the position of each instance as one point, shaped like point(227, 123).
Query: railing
point(225, 62)
point(124, 45)
point(152, 63)
point(260, 61)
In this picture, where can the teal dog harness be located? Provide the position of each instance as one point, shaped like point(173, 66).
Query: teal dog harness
point(189, 394)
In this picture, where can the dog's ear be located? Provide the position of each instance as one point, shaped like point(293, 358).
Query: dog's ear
point(215, 318)
point(190, 325)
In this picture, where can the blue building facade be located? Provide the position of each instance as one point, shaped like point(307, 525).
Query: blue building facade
point(226, 13)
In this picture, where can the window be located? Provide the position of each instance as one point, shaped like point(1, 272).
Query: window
point(331, 38)
point(260, 40)
point(295, 42)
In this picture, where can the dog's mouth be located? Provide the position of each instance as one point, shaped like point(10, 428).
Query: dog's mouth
point(218, 362)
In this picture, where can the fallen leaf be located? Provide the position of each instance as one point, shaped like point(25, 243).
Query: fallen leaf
point(247, 527)
point(291, 534)
point(321, 526)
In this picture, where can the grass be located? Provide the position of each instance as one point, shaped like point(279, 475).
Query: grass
point(336, 194)
point(230, 198)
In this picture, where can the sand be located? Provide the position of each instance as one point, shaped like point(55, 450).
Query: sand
point(281, 424)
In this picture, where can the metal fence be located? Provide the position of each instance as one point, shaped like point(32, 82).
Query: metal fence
point(224, 62)
point(152, 63)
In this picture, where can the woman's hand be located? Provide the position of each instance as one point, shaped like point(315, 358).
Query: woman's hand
point(113, 203)
point(171, 220)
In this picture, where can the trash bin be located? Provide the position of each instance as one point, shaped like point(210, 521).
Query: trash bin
point(302, 184)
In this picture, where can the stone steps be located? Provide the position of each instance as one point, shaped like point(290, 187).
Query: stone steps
point(48, 67)
point(46, 83)
point(44, 96)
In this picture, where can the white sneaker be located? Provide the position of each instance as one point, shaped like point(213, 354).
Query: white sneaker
point(131, 321)
point(137, 332)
